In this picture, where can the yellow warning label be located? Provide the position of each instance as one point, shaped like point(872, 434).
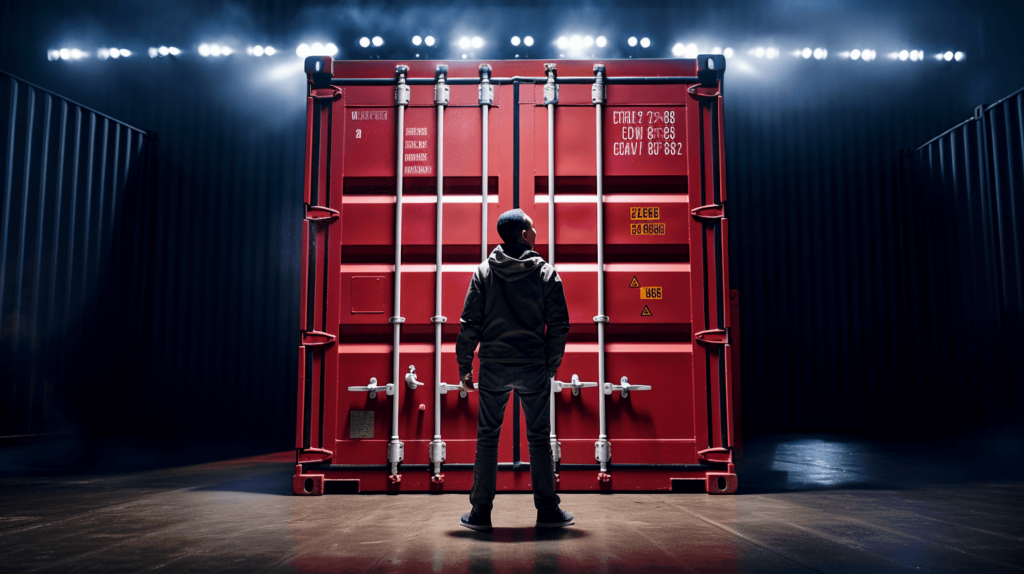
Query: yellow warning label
point(646, 312)
point(650, 292)
point(644, 213)
point(647, 229)
point(634, 283)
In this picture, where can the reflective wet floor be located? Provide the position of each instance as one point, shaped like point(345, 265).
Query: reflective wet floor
point(815, 504)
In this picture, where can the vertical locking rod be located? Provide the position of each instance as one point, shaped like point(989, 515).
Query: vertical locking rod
point(486, 100)
point(602, 447)
point(550, 99)
point(441, 91)
point(395, 447)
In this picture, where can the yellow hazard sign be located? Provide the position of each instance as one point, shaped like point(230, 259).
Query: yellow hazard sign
point(634, 283)
point(646, 312)
point(650, 292)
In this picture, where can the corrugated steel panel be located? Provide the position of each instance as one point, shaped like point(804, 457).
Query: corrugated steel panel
point(964, 225)
point(69, 175)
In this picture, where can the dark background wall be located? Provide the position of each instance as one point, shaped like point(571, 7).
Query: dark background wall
point(206, 343)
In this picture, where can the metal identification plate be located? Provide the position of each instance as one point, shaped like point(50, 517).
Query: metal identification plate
point(647, 229)
point(360, 424)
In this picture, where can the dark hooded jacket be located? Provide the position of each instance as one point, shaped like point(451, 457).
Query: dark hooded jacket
point(515, 308)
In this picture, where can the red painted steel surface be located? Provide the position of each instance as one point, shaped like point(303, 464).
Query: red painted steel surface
point(665, 275)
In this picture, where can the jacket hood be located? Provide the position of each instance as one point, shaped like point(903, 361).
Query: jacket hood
point(514, 262)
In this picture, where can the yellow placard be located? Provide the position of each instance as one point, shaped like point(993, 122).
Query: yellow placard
point(650, 292)
point(644, 213)
point(647, 229)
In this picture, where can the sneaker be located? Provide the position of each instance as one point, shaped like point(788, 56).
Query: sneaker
point(554, 518)
point(474, 521)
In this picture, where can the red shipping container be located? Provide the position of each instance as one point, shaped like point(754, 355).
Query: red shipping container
point(622, 167)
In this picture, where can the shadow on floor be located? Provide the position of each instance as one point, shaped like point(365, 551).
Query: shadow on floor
point(521, 534)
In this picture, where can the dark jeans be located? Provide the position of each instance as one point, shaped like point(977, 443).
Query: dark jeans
point(532, 385)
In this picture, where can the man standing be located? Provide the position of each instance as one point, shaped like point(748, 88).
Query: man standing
point(512, 298)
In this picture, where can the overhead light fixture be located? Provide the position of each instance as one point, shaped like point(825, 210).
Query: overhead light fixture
point(416, 40)
point(820, 53)
point(959, 56)
point(516, 41)
point(727, 52)
point(204, 50)
point(478, 42)
point(806, 53)
point(948, 56)
point(678, 50)
point(645, 42)
point(364, 42)
point(377, 41)
point(631, 41)
point(562, 42)
point(588, 41)
point(771, 52)
point(903, 55)
point(464, 42)
point(528, 41)
point(175, 52)
point(757, 52)
point(429, 40)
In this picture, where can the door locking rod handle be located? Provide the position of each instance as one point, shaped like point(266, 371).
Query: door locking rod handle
point(575, 385)
point(462, 387)
point(372, 388)
point(624, 388)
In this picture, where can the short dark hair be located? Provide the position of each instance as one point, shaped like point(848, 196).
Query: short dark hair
point(512, 224)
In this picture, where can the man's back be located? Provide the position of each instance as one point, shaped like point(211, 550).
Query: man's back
point(515, 308)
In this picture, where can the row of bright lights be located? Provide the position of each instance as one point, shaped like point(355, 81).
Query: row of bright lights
point(573, 43)
point(76, 54)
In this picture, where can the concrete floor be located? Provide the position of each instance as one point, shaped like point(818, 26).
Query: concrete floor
point(825, 504)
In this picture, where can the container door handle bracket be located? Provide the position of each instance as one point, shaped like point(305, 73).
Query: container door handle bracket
point(317, 339)
point(708, 213)
point(712, 337)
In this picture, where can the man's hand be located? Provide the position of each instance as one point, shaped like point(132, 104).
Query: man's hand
point(468, 377)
